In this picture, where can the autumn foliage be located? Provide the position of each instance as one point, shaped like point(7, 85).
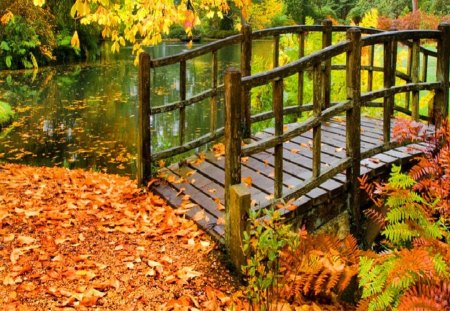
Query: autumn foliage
point(85, 239)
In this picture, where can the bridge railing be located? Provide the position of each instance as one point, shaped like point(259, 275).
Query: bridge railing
point(148, 111)
point(237, 196)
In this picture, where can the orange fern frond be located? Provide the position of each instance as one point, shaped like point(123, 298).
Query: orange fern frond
point(433, 297)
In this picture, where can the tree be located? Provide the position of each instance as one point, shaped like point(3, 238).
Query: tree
point(143, 22)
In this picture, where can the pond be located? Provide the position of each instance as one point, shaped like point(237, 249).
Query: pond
point(85, 115)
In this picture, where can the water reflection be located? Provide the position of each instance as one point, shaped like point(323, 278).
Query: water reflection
point(85, 115)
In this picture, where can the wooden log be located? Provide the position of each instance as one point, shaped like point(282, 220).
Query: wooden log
point(276, 51)
point(441, 98)
point(246, 70)
point(232, 141)
point(182, 126)
point(278, 112)
point(424, 67)
point(327, 40)
point(213, 100)
point(239, 207)
point(353, 126)
point(317, 109)
point(389, 81)
point(301, 75)
point(409, 64)
point(415, 63)
point(371, 68)
point(144, 161)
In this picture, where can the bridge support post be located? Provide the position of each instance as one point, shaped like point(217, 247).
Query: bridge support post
point(246, 70)
point(239, 207)
point(441, 98)
point(327, 40)
point(237, 201)
point(144, 162)
point(353, 127)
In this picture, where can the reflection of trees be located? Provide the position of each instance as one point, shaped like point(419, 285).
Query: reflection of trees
point(83, 116)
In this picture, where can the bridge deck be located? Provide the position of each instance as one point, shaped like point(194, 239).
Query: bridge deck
point(202, 180)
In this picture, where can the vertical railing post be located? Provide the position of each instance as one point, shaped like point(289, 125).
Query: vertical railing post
point(327, 40)
point(277, 94)
point(301, 75)
point(353, 128)
point(370, 71)
point(237, 201)
point(144, 136)
point(182, 126)
point(213, 103)
point(246, 70)
point(415, 63)
point(389, 71)
point(317, 109)
point(441, 98)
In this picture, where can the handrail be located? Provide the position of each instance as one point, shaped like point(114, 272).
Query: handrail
point(317, 62)
point(296, 66)
point(305, 63)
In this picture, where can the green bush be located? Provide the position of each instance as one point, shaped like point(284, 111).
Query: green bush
point(6, 114)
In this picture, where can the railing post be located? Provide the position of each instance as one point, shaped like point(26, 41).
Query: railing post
point(234, 199)
point(415, 60)
point(239, 207)
point(144, 137)
point(441, 98)
point(327, 40)
point(389, 70)
point(277, 94)
point(246, 70)
point(301, 80)
point(182, 121)
point(353, 128)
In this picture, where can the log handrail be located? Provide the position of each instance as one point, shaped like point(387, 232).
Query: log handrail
point(414, 83)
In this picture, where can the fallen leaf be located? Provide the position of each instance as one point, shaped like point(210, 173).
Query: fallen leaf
point(247, 181)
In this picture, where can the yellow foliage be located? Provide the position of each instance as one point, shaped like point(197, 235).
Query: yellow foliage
point(38, 2)
point(144, 19)
point(261, 14)
point(370, 19)
point(75, 42)
point(6, 18)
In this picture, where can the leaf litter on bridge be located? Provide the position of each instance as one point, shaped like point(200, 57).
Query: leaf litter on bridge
point(86, 239)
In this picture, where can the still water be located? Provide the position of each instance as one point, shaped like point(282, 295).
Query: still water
point(85, 115)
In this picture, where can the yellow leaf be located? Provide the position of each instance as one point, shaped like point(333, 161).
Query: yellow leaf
point(38, 2)
point(75, 41)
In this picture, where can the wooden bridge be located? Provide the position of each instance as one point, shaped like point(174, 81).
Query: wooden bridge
point(313, 164)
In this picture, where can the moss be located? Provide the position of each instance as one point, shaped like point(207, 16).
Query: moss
point(6, 114)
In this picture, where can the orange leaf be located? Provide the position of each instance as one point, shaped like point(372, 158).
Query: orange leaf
point(247, 181)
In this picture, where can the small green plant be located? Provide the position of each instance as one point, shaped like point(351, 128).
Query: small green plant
point(6, 114)
point(263, 242)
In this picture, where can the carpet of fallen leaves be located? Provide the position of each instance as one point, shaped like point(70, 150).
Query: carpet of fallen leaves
point(94, 241)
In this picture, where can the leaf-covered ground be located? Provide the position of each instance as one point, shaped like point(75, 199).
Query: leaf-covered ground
point(95, 241)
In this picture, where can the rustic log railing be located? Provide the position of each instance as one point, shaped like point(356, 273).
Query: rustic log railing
point(238, 85)
point(146, 157)
point(321, 112)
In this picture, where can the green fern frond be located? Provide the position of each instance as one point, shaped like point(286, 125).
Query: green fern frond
point(399, 233)
point(400, 180)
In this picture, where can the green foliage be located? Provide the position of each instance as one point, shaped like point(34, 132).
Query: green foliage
point(416, 235)
point(18, 42)
point(263, 242)
point(6, 114)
